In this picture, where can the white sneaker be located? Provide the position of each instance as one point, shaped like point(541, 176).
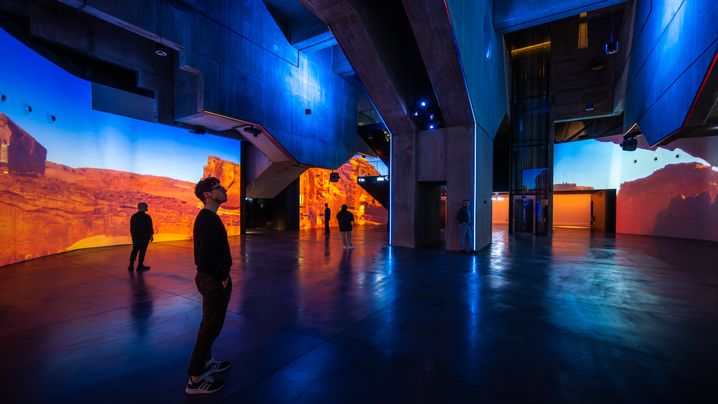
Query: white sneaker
point(204, 386)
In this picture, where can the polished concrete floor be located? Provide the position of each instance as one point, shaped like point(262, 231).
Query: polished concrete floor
point(571, 318)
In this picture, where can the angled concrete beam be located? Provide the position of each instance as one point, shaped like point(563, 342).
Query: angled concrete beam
point(434, 35)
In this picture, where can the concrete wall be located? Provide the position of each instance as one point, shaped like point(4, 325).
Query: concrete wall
point(246, 69)
point(674, 44)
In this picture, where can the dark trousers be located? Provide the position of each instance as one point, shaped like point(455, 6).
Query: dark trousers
point(326, 227)
point(142, 249)
point(214, 309)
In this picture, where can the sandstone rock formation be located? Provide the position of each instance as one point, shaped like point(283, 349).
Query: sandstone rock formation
point(316, 190)
point(678, 200)
point(68, 208)
point(20, 153)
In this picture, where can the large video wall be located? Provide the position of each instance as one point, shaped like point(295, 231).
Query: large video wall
point(71, 177)
point(665, 191)
point(315, 190)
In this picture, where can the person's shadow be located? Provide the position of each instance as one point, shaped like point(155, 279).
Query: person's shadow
point(346, 263)
point(142, 304)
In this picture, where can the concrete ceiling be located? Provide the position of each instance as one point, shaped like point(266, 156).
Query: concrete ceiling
point(302, 28)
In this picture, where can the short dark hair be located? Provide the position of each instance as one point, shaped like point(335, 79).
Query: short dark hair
point(205, 185)
point(326, 204)
point(142, 206)
point(344, 207)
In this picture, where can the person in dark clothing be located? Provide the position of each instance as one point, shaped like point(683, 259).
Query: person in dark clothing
point(463, 216)
point(214, 261)
point(345, 219)
point(327, 217)
point(142, 233)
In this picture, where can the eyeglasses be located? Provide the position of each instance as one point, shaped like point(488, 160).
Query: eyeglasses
point(219, 187)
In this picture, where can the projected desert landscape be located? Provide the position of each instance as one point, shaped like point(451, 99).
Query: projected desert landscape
point(316, 190)
point(47, 208)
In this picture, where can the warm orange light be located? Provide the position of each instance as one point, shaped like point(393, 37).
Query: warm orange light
point(572, 210)
point(583, 35)
point(529, 48)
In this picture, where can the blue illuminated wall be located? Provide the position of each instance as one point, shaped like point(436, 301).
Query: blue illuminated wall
point(97, 166)
point(666, 191)
point(674, 44)
point(482, 59)
point(249, 71)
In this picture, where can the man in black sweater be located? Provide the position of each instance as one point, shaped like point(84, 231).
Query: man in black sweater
point(214, 260)
point(142, 233)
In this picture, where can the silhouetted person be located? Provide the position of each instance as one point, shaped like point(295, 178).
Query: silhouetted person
point(142, 233)
point(327, 217)
point(213, 259)
point(345, 219)
point(463, 216)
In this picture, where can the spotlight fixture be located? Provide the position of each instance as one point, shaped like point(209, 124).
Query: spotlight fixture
point(51, 118)
point(423, 103)
point(431, 117)
point(308, 111)
point(160, 50)
point(610, 48)
point(432, 126)
point(589, 107)
point(253, 130)
point(416, 113)
point(3, 98)
point(26, 108)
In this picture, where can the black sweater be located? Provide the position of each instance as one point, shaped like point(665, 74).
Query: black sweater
point(141, 228)
point(211, 247)
point(345, 219)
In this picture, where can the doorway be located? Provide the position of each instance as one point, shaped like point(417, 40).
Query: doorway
point(524, 207)
point(259, 214)
point(593, 210)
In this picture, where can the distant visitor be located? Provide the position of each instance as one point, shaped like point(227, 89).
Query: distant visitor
point(142, 233)
point(345, 219)
point(463, 216)
point(214, 261)
point(327, 217)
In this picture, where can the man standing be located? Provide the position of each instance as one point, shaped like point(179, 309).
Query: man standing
point(345, 219)
point(142, 233)
point(463, 216)
point(327, 216)
point(214, 260)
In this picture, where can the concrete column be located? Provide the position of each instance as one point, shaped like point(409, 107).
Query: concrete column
point(459, 177)
point(484, 188)
point(403, 189)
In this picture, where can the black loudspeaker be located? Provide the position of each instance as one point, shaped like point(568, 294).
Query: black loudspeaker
point(334, 177)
